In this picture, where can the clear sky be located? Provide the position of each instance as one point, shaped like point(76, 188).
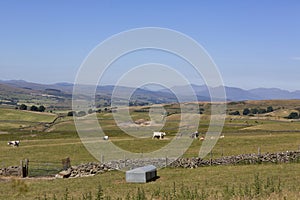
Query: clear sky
point(254, 43)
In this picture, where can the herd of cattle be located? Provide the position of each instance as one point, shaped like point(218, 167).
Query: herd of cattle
point(195, 135)
point(158, 135)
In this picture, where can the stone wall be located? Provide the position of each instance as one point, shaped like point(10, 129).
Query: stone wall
point(90, 169)
point(11, 171)
point(282, 157)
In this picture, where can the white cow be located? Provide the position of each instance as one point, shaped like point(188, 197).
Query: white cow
point(14, 143)
point(158, 135)
point(105, 137)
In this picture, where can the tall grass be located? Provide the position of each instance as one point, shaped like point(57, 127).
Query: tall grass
point(257, 188)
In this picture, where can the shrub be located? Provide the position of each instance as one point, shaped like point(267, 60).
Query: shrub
point(293, 115)
point(34, 108)
point(234, 113)
point(270, 109)
point(41, 108)
point(246, 111)
point(81, 113)
point(23, 107)
point(71, 113)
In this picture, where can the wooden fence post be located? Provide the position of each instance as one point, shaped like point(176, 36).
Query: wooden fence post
point(166, 161)
point(66, 163)
point(222, 152)
point(124, 160)
point(21, 171)
point(26, 167)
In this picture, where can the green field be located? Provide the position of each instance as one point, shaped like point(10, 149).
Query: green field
point(243, 134)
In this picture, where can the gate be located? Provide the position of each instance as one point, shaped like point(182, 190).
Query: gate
point(46, 168)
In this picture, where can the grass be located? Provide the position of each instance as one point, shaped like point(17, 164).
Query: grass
point(242, 135)
point(224, 182)
point(46, 150)
point(28, 116)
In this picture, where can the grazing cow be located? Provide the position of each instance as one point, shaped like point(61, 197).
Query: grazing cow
point(158, 135)
point(195, 135)
point(105, 137)
point(13, 143)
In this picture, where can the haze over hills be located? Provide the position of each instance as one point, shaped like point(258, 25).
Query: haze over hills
point(16, 89)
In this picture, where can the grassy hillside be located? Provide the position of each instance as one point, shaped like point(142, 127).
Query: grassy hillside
point(20, 115)
point(223, 182)
point(243, 134)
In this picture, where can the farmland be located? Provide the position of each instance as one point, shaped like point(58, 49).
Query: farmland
point(268, 132)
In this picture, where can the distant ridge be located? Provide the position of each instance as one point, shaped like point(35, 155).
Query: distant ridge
point(163, 95)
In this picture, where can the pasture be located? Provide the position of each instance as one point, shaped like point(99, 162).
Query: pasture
point(243, 134)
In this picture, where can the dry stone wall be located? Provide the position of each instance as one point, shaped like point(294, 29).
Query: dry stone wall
point(92, 168)
point(282, 157)
point(11, 171)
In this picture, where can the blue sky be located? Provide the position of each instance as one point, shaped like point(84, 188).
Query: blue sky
point(253, 43)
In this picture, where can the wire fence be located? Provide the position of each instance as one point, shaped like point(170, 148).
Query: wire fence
point(39, 168)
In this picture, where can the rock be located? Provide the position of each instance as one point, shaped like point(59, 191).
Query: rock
point(64, 174)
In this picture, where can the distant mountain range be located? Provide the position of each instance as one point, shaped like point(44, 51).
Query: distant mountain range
point(15, 88)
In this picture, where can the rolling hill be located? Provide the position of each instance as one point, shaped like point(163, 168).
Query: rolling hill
point(16, 91)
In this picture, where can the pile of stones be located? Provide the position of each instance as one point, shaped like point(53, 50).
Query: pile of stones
point(87, 169)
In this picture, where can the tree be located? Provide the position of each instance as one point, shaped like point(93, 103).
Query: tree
point(90, 111)
point(293, 115)
point(34, 108)
point(262, 111)
point(246, 111)
point(71, 113)
point(270, 109)
point(254, 110)
point(234, 113)
point(81, 113)
point(99, 110)
point(41, 108)
point(23, 107)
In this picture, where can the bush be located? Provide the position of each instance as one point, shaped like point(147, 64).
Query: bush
point(71, 113)
point(23, 107)
point(234, 113)
point(254, 111)
point(293, 115)
point(270, 109)
point(246, 111)
point(262, 111)
point(34, 108)
point(41, 108)
point(81, 113)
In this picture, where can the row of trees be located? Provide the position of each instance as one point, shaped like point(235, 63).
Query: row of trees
point(253, 111)
point(32, 108)
point(90, 111)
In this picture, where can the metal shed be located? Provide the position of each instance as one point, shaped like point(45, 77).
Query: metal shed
point(141, 174)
